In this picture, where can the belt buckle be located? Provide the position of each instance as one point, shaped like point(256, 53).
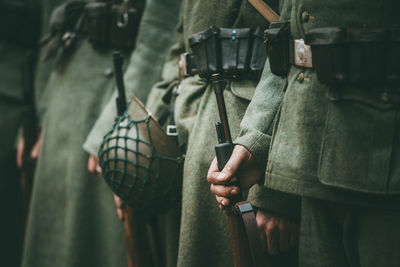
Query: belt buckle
point(171, 130)
point(302, 54)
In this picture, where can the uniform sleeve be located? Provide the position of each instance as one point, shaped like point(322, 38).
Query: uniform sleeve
point(156, 35)
point(257, 124)
point(255, 134)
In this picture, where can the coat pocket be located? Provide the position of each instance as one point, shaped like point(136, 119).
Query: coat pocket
point(358, 143)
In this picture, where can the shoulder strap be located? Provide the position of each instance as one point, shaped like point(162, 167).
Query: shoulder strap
point(265, 10)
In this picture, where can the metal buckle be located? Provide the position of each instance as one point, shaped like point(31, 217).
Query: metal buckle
point(185, 65)
point(171, 130)
point(182, 65)
point(302, 54)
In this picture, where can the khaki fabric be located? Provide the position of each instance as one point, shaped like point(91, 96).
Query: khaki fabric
point(204, 238)
point(346, 235)
point(156, 35)
point(333, 153)
point(344, 150)
point(72, 220)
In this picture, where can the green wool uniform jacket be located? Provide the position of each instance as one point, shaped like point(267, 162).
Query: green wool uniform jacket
point(15, 25)
point(72, 220)
point(156, 35)
point(203, 225)
point(345, 150)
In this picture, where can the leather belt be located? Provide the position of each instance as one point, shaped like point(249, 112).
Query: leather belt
point(300, 54)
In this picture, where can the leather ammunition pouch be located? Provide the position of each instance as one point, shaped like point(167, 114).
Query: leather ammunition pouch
point(277, 38)
point(231, 52)
point(19, 22)
point(112, 26)
point(340, 56)
point(107, 26)
point(355, 55)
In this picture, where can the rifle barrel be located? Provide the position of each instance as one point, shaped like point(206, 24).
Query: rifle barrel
point(119, 78)
point(219, 85)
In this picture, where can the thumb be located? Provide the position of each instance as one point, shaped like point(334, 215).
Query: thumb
point(36, 148)
point(239, 156)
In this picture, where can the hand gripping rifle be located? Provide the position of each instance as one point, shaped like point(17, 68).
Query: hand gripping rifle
point(135, 229)
point(30, 133)
point(246, 243)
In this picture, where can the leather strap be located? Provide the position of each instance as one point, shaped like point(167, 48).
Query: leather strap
point(253, 235)
point(265, 10)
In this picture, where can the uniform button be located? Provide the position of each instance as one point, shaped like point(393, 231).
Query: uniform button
point(300, 77)
point(305, 17)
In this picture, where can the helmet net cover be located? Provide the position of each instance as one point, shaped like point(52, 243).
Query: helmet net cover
point(144, 174)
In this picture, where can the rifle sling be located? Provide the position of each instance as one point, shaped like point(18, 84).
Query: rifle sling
point(264, 10)
point(246, 211)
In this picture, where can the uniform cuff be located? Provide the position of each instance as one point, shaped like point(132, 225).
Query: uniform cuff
point(278, 202)
point(257, 143)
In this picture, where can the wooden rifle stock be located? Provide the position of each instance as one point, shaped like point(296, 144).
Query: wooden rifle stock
point(136, 240)
point(137, 245)
point(130, 221)
point(223, 151)
point(245, 238)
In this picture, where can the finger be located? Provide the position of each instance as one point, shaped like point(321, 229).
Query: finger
point(223, 201)
point(213, 167)
point(20, 151)
point(224, 191)
point(98, 171)
point(261, 222)
point(213, 175)
point(36, 148)
point(120, 214)
point(91, 164)
point(272, 238)
point(239, 155)
point(118, 201)
point(215, 178)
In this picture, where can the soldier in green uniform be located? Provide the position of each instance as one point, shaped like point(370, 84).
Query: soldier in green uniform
point(72, 219)
point(19, 33)
point(204, 237)
point(156, 35)
point(335, 139)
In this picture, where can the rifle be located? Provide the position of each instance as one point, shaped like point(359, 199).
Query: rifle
point(30, 133)
point(245, 237)
point(135, 228)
